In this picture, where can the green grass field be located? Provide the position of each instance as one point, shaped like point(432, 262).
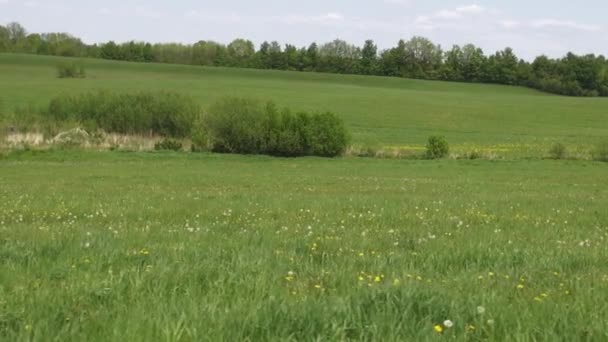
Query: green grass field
point(124, 246)
point(382, 112)
point(186, 247)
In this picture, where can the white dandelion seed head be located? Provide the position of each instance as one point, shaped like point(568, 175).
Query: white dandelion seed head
point(448, 324)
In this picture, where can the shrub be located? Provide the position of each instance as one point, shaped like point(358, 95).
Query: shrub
point(475, 155)
point(247, 126)
point(199, 139)
point(600, 153)
point(437, 147)
point(168, 145)
point(161, 113)
point(558, 151)
point(71, 70)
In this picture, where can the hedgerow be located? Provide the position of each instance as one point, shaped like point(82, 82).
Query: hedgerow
point(158, 113)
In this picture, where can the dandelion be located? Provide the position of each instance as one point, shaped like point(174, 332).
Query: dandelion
point(520, 287)
point(470, 328)
point(377, 279)
point(438, 329)
point(448, 324)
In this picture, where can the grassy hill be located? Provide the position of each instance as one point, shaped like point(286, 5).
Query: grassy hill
point(380, 111)
point(100, 245)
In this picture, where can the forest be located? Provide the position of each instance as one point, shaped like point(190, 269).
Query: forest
point(418, 57)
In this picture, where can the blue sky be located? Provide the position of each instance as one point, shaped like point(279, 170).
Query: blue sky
point(531, 27)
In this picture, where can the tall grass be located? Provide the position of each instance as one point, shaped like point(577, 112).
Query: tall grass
point(155, 113)
point(207, 248)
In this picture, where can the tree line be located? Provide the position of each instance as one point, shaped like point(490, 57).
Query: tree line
point(418, 58)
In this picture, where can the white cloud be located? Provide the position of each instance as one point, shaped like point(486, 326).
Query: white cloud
point(448, 14)
point(330, 17)
point(448, 17)
point(470, 9)
point(2, 2)
point(509, 24)
point(563, 24)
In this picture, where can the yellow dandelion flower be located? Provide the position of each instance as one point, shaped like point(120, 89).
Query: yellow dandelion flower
point(438, 328)
point(361, 278)
point(377, 279)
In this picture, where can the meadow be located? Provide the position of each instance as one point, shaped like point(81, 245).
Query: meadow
point(176, 246)
point(511, 122)
point(214, 247)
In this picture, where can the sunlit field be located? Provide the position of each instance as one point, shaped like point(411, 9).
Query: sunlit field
point(383, 113)
point(180, 247)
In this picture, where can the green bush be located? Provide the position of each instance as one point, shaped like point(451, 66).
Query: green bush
point(558, 151)
point(437, 147)
point(168, 145)
point(600, 153)
point(247, 126)
point(160, 113)
point(71, 70)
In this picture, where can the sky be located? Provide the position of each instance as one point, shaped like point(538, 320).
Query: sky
point(530, 27)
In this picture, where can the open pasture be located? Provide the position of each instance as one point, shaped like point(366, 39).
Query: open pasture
point(182, 247)
point(393, 113)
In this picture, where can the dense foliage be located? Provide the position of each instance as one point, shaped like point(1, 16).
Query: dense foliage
point(417, 58)
point(162, 113)
point(71, 70)
point(437, 147)
point(249, 127)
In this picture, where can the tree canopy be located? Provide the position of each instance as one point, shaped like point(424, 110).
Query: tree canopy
point(416, 58)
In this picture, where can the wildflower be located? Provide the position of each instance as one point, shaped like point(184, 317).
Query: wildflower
point(377, 279)
point(438, 329)
point(520, 287)
point(448, 324)
point(538, 299)
point(470, 328)
point(317, 286)
point(481, 310)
